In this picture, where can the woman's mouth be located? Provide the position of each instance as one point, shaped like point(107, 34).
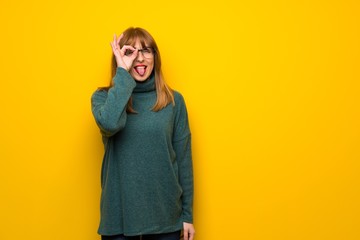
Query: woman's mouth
point(141, 69)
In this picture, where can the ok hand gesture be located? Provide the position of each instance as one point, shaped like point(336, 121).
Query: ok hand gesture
point(123, 60)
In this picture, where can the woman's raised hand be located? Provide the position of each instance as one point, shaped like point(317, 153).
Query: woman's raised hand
point(123, 60)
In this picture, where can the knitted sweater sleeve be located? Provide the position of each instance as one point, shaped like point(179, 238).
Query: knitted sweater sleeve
point(109, 107)
point(182, 148)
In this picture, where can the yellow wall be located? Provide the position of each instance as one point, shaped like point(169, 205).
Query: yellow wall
point(273, 93)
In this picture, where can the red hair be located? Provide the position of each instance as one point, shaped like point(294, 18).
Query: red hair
point(165, 94)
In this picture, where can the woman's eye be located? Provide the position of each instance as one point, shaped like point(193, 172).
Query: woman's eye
point(147, 50)
point(128, 52)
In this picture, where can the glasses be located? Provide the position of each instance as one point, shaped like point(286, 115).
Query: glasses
point(146, 52)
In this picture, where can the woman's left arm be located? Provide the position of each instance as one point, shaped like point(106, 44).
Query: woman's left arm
point(182, 148)
point(183, 157)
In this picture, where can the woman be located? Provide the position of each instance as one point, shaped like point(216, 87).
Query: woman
point(147, 177)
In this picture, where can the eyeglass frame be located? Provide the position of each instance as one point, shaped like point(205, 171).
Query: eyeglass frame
point(142, 51)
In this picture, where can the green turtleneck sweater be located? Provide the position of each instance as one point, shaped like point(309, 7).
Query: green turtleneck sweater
point(147, 177)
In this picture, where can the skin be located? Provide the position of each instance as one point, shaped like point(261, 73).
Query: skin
point(189, 231)
point(129, 63)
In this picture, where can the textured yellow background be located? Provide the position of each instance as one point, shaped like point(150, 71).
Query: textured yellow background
point(272, 89)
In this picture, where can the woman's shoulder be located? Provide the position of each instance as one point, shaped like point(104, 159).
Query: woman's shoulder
point(99, 94)
point(178, 97)
point(179, 101)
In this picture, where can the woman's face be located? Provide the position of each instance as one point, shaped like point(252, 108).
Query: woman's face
point(143, 64)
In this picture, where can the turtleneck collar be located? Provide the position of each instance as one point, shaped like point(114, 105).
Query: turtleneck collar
point(146, 86)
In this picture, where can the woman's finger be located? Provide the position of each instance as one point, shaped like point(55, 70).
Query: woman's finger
point(192, 236)
point(113, 47)
point(114, 40)
point(186, 234)
point(112, 43)
point(128, 47)
point(120, 37)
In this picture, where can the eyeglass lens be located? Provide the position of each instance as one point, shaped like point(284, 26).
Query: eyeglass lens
point(147, 52)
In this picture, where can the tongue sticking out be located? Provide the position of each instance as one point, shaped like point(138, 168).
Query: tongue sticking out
point(140, 70)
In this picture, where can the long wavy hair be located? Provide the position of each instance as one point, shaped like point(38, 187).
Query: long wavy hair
point(165, 94)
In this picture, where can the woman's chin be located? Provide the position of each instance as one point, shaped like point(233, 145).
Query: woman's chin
point(140, 78)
